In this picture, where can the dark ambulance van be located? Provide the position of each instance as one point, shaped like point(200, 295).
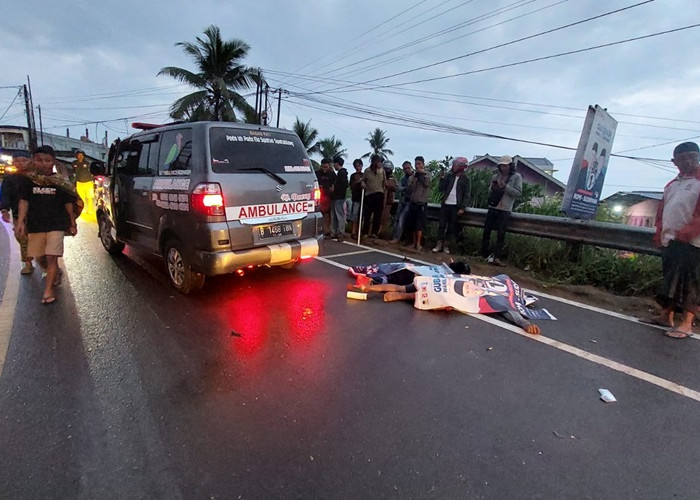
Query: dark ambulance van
point(210, 198)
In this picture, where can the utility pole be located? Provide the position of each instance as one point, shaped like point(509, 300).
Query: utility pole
point(30, 111)
point(257, 98)
point(41, 125)
point(267, 90)
point(30, 125)
point(279, 105)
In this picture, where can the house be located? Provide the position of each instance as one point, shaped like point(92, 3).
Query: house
point(14, 138)
point(534, 171)
point(637, 207)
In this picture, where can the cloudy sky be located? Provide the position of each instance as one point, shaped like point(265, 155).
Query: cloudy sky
point(434, 74)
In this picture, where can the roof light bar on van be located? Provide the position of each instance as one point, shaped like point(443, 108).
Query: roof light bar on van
point(208, 199)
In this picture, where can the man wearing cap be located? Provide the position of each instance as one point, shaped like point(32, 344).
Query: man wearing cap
point(678, 235)
point(9, 202)
point(455, 191)
point(506, 186)
point(84, 182)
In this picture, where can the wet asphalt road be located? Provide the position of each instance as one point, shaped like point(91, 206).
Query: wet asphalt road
point(274, 385)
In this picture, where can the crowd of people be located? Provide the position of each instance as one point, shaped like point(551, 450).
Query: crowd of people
point(374, 191)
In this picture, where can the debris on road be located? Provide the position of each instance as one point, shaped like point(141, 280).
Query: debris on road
point(357, 295)
point(606, 396)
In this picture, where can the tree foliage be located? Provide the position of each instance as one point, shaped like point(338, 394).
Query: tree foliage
point(218, 76)
point(378, 142)
point(330, 147)
point(308, 135)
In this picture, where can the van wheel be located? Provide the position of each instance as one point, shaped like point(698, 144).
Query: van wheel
point(112, 246)
point(290, 265)
point(181, 275)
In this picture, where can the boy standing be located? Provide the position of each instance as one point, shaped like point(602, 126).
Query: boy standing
point(46, 215)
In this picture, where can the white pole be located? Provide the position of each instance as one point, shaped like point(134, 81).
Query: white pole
point(359, 223)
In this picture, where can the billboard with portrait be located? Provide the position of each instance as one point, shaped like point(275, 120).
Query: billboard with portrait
point(590, 165)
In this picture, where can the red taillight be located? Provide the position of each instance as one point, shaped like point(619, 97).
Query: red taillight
point(207, 199)
point(317, 196)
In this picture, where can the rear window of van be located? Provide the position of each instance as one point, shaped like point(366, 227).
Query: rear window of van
point(235, 150)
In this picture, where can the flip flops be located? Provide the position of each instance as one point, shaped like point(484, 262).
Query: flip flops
point(48, 300)
point(677, 334)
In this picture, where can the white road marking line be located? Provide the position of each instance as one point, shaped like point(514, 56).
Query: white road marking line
point(538, 293)
point(9, 298)
point(346, 254)
point(336, 264)
point(593, 358)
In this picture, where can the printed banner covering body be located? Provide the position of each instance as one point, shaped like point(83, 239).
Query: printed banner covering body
point(473, 294)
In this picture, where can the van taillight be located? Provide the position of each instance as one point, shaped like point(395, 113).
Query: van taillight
point(317, 196)
point(207, 199)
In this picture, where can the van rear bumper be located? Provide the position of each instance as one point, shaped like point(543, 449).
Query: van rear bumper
point(212, 263)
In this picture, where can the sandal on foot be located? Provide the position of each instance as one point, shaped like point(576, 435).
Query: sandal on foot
point(48, 300)
point(677, 334)
point(59, 277)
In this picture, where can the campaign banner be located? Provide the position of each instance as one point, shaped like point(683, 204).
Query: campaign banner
point(590, 165)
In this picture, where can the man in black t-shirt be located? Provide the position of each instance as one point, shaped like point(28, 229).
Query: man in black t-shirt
point(355, 195)
point(46, 215)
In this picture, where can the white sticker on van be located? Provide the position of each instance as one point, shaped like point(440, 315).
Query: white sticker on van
point(295, 197)
point(269, 210)
point(297, 168)
point(160, 184)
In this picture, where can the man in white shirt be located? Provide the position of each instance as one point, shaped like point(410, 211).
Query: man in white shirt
point(678, 234)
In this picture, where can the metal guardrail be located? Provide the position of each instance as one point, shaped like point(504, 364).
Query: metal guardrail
point(600, 234)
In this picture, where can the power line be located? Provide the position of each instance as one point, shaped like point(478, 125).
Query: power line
point(11, 103)
point(527, 61)
point(364, 33)
point(419, 94)
point(422, 21)
point(403, 120)
point(440, 33)
point(498, 46)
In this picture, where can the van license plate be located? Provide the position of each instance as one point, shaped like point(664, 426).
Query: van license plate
point(276, 230)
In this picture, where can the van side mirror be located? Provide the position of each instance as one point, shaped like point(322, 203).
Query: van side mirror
point(97, 168)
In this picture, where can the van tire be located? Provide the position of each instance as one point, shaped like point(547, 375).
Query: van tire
point(112, 246)
point(180, 273)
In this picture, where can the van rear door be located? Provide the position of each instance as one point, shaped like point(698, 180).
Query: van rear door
point(267, 182)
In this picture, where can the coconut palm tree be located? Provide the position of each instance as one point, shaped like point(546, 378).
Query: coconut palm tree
point(331, 147)
point(307, 134)
point(219, 75)
point(378, 140)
